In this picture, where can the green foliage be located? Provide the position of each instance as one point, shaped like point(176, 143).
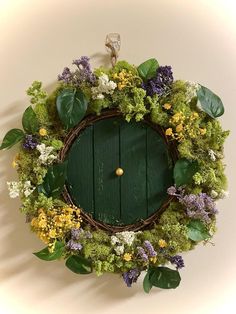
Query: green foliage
point(29, 121)
point(148, 69)
point(11, 138)
point(197, 231)
point(96, 250)
point(38, 96)
point(163, 277)
point(79, 265)
point(147, 284)
point(46, 255)
point(210, 102)
point(184, 170)
point(54, 180)
point(71, 106)
point(124, 65)
point(158, 115)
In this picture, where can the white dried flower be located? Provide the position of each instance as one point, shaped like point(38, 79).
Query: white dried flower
point(13, 188)
point(45, 157)
point(192, 89)
point(212, 154)
point(114, 240)
point(214, 194)
point(126, 237)
point(104, 87)
point(28, 188)
point(119, 249)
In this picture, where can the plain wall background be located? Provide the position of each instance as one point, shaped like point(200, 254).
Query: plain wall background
point(39, 38)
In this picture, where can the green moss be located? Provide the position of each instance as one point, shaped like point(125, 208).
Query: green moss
point(94, 251)
point(124, 65)
point(36, 93)
point(158, 115)
point(97, 105)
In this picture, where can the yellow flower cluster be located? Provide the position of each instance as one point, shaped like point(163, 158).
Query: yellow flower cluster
point(55, 223)
point(127, 257)
point(184, 125)
point(124, 79)
point(43, 132)
point(162, 243)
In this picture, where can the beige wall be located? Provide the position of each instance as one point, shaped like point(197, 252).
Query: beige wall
point(39, 38)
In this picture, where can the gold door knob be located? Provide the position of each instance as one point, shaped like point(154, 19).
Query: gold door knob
point(119, 172)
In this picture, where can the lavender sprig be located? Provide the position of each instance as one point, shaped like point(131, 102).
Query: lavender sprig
point(131, 276)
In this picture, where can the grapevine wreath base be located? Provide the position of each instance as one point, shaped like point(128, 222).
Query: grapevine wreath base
point(184, 113)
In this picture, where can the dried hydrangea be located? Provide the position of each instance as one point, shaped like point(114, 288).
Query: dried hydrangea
point(105, 86)
point(46, 157)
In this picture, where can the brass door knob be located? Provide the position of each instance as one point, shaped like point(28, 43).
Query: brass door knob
point(119, 172)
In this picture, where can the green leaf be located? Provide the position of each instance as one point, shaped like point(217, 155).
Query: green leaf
point(71, 107)
point(45, 255)
point(79, 264)
point(29, 121)
point(165, 278)
point(197, 231)
point(148, 69)
point(11, 138)
point(54, 180)
point(210, 102)
point(184, 170)
point(147, 285)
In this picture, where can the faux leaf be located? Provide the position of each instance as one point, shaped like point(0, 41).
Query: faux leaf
point(148, 69)
point(54, 180)
point(11, 138)
point(210, 102)
point(165, 278)
point(29, 121)
point(197, 231)
point(45, 255)
point(71, 107)
point(79, 264)
point(184, 170)
point(147, 285)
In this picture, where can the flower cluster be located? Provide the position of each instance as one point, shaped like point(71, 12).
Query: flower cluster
point(147, 252)
point(77, 234)
point(200, 206)
point(15, 188)
point(30, 142)
point(124, 79)
point(122, 239)
point(177, 260)
point(131, 276)
point(46, 157)
point(55, 223)
point(105, 86)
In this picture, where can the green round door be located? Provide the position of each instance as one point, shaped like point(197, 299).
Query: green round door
point(93, 159)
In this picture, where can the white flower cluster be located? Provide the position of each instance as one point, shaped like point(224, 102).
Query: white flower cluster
point(45, 157)
point(120, 239)
point(212, 154)
point(104, 87)
point(222, 194)
point(192, 89)
point(15, 188)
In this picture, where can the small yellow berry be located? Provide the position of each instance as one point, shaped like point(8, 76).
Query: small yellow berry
point(127, 257)
point(167, 106)
point(43, 132)
point(162, 243)
point(169, 132)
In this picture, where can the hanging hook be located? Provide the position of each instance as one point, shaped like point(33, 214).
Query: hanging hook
point(113, 46)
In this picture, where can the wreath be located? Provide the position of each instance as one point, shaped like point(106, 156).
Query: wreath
point(182, 113)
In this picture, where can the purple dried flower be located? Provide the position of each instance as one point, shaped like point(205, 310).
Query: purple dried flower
point(131, 276)
point(161, 83)
point(76, 232)
point(30, 142)
point(177, 260)
point(150, 249)
point(66, 76)
point(72, 245)
point(142, 254)
point(172, 190)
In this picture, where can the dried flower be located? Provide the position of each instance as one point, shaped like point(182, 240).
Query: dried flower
point(14, 189)
point(43, 132)
point(73, 245)
point(127, 257)
point(177, 260)
point(150, 249)
point(142, 254)
point(162, 243)
point(105, 86)
point(45, 157)
point(30, 142)
point(131, 276)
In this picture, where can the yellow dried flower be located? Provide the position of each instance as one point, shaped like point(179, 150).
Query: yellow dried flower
point(177, 117)
point(167, 106)
point(162, 243)
point(169, 132)
point(179, 128)
point(153, 259)
point(43, 132)
point(202, 131)
point(127, 257)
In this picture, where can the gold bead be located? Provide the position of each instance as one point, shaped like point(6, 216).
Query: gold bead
point(119, 172)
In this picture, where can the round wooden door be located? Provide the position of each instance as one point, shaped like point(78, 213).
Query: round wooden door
point(93, 158)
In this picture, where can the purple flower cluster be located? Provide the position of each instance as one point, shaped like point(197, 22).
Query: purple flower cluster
point(30, 142)
point(77, 234)
point(177, 260)
point(198, 206)
point(147, 251)
point(131, 276)
point(161, 83)
point(83, 73)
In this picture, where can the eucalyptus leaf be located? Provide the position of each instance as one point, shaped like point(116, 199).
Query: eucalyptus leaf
point(210, 102)
point(54, 180)
point(11, 138)
point(197, 231)
point(29, 121)
point(45, 255)
point(71, 107)
point(79, 264)
point(147, 285)
point(148, 69)
point(165, 278)
point(184, 170)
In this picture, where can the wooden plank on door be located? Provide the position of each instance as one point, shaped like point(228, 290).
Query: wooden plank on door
point(133, 181)
point(106, 161)
point(80, 171)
